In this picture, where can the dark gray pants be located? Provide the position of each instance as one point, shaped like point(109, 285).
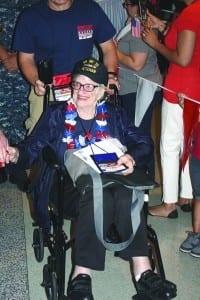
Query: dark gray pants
point(89, 252)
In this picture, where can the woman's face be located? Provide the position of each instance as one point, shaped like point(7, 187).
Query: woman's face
point(132, 10)
point(86, 92)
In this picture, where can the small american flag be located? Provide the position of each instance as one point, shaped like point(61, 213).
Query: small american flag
point(135, 27)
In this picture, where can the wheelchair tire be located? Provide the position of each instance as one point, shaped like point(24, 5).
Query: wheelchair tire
point(50, 283)
point(38, 244)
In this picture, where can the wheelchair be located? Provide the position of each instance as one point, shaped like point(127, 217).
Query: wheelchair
point(57, 242)
point(55, 239)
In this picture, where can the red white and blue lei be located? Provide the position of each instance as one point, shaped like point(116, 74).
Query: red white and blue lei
point(72, 142)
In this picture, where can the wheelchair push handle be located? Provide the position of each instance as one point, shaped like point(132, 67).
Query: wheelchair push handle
point(114, 97)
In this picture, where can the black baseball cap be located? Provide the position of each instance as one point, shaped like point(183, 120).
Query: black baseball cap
point(93, 69)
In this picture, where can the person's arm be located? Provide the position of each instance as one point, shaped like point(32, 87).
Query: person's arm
point(109, 55)
point(30, 71)
point(8, 59)
point(3, 53)
point(135, 61)
point(183, 53)
point(110, 60)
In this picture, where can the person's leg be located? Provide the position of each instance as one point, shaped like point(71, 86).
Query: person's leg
point(170, 149)
point(89, 252)
point(128, 104)
point(147, 283)
point(185, 200)
point(35, 111)
point(195, 178)
point(145, 129)
point(192, 243)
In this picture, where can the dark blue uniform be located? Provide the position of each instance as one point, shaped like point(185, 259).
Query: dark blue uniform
point(13, 88)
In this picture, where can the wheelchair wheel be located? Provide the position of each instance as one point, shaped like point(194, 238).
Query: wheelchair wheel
point(50, 283)
point(38, 244)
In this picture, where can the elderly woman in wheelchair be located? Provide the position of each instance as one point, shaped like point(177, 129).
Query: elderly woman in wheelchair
point(82, 123)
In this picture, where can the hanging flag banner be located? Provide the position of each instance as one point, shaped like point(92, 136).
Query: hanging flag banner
point(144, 97)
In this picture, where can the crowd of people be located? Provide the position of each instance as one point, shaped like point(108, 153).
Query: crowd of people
point(127, 60)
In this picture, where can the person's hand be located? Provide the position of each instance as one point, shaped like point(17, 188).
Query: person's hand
point(111, 82)
point(39, 88)
point(149, 37)
point(4, 158)
point(128, 161)
point(181, 98)
point(13, 153)
point(10, 62)
point(152, 21)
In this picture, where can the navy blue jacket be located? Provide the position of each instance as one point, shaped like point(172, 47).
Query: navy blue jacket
point(50, 129)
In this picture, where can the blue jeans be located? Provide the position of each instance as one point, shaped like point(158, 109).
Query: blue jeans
point(195, 176)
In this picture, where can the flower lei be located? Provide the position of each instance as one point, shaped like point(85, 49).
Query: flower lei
point(70, 125)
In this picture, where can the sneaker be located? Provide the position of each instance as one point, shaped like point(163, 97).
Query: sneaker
point(191, 241)
point(196, 250)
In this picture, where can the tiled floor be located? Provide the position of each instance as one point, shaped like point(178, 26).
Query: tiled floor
point(115, 282)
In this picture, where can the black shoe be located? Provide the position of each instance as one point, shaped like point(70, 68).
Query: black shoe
point(20, 179)
point(3, 175)
point(80, 288)
point(186, 207)
point(153, 286)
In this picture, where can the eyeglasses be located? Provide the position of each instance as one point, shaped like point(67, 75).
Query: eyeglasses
point(125, 4)
point(86, 87)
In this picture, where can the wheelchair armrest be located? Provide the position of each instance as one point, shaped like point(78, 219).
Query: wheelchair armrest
point(50, 157)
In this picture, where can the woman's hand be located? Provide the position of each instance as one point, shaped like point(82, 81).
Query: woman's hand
point(128, 161)
point(13, 153)
point(149, 37)
point(181, 98)
point(152, 21)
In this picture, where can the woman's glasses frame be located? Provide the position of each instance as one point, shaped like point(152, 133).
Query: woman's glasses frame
point(87, 87)
point(126, 4)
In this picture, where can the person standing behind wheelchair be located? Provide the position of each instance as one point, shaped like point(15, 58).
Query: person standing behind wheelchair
point(71, 126)
point(138, 97)
point(64, 32)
